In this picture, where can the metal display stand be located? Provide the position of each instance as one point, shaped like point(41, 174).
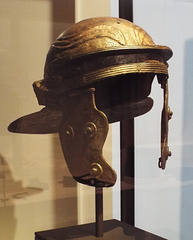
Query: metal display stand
point(127, 156)
point(106, 230)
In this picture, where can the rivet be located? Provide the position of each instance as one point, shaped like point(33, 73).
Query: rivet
point(69, 131)
point(96, 170)
point(90, 129)
point(169, 153)
point(170, 113)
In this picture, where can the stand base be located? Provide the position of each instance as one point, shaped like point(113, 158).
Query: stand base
point(113, 230)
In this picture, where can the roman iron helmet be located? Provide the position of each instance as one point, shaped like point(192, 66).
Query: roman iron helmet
point(97, 72)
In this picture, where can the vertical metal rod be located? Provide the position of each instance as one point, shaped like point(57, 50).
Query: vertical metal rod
point(99, 211)
point(126, 9)
point(127, 144)
point(127, 172)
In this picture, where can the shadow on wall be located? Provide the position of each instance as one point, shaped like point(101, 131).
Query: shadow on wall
point(63, 15)
point(10, 190)
point(187, 150)
point(65, 190)
point(7, 218)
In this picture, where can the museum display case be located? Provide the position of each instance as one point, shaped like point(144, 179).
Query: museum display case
point(123, 176)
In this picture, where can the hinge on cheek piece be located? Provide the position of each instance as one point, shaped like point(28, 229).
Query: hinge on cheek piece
point(166, 116)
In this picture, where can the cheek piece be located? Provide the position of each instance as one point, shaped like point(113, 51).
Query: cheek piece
point(83, 131)
point(98, 71)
